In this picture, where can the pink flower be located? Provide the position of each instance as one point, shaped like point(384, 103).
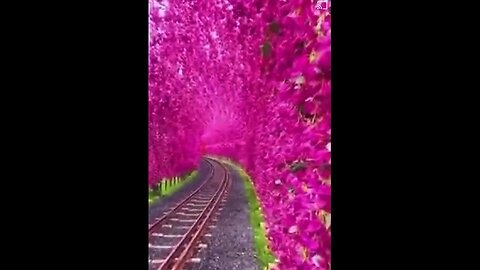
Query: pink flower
point(210, 85)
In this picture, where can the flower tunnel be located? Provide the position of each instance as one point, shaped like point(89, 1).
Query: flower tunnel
point(249, 80)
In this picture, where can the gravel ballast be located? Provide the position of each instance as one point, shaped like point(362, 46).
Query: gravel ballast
point(158, 208)
point(231, 244)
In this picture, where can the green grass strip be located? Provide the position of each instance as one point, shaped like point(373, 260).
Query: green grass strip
point(167, 187)
point(264, 256)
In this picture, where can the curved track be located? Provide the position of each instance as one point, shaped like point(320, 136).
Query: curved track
point(174, 237)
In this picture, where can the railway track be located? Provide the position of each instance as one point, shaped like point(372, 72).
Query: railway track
point(175, 237)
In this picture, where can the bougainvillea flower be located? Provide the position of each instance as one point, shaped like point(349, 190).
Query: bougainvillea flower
point(212, 90)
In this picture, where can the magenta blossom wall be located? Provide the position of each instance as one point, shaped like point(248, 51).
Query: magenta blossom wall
point(249, 80)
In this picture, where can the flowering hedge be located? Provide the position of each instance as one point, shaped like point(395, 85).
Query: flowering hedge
point(249, 80)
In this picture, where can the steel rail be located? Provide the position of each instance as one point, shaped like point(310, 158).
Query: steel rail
point(160, 220)
point(180, 254)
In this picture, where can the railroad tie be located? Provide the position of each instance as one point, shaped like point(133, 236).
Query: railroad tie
point(197, 205)
point(186, 220)
point(191, 209)
point(167, 235)
point(189, 215)
point(160, 247)
point(172, 235)
point(156, 261)
point(183, 227)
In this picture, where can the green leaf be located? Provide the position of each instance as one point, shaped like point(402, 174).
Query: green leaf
point(297, 166)
point(266, 49)
point(274, 27)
